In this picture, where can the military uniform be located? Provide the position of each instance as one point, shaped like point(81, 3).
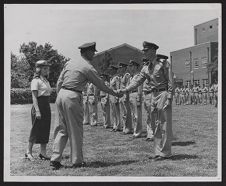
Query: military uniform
point(196, 94)
point(177, 95)
point(159, 77)
point(200, 95)
point(187, 96)
point(215, 88)
point(191, 95)
point(105, 105)
point(125, 106)
point(69, 102)
point(115, 119)
point(204, 94)
point(211, 95)
point(86, 120)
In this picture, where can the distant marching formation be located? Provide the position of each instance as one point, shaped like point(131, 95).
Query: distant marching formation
point(125, 113)
point(196, 95)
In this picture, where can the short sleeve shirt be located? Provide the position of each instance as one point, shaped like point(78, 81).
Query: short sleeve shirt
point(42, 86)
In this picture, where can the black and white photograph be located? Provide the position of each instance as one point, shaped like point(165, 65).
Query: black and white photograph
point(113, 92)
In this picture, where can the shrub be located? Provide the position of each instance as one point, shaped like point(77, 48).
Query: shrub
point(23, 96)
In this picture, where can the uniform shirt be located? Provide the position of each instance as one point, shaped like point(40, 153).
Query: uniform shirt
point(159, 76)
point(125, 80)
point(115, 83)
point(91, 89)
point(196, 89)
point(215, 88)
point(177, 90)
point(76, 75)
point(204, 90)
point(145, 86)
point(42, 85)
point(211, 89)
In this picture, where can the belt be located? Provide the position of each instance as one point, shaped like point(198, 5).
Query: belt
point(72, 90)
point(134, 91)
point(155, 90)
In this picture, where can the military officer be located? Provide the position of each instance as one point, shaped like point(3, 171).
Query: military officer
point(136, 101)
point(159, 77)
point(177, 95)
point(105, 103)
point(204, 94)
point(211, 95)
point(124, 101)
point(200, 94)
point(93, 101)
point(125, 115)
point(150, 132)
point(69, 104)
point(191, 94)
point(186, 95)
point(196, 94)
point(86, 120)
point(215, 88)
point(115, 85)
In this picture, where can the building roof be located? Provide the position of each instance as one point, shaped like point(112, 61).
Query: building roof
point(119, 46)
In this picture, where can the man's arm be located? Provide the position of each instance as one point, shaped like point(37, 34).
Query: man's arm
point(136, 81)
point(169, 76)
point(96, 80)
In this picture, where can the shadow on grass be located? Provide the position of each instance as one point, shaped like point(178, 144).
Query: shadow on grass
point(97, 164)
point(182, 143)
point(183, 157)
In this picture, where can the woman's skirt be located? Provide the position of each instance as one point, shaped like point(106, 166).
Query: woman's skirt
point(41, 127)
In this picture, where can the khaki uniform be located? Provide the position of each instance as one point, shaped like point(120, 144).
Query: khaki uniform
point(196, 95)
point(186, 96)
point(136, 109)
point(215, 88)
point(69, 102)
point(93, 101)
point(147, 100)
point(105, 105)
point(115, 119)
point(86, 120)
point(200, 95)
point(211, 95)
point(177, 95)
point(160, 90)
point(125, 110)
point(204, 94)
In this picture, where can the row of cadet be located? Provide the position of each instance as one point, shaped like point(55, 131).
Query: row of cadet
point(196, 95)
point(121, 114)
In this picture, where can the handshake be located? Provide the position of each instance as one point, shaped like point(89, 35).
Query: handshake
point(120, 92)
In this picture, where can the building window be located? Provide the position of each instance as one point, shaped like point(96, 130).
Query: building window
point(203, 29)
point(204, 61)
point(187, 63)
point(196, 63)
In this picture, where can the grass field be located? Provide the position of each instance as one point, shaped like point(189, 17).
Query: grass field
point(114, 154)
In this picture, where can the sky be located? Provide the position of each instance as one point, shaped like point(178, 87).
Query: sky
point(68, 26)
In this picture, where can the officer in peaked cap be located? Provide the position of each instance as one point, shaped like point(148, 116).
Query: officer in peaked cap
point(158, 99)
point(148, 45)
point(71, 83)
point(41, 63)
point(160, 56)
point(105, 102)
point(88, 46)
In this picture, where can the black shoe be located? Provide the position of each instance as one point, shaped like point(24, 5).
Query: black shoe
point(149, 139)
point(79, 165)
point(56, 165)
point(43, 157)
point(29, 157)
point(160, 158)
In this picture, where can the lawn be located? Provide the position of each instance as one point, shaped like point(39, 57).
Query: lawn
point(114, 154)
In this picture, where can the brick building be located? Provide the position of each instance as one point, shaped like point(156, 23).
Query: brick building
point(122, 53)
point(190, 64)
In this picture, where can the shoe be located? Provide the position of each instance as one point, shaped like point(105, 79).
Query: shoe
point(149, 139)
point(56, 165)
point(29, 156)
point(43, 157)
point(113, 130)
point(153, 157)
point(160, 158)
point(118, 130)
point(79, 165)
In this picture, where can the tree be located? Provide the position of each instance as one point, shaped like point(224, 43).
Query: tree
point(34, 52)
point(19, 70)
